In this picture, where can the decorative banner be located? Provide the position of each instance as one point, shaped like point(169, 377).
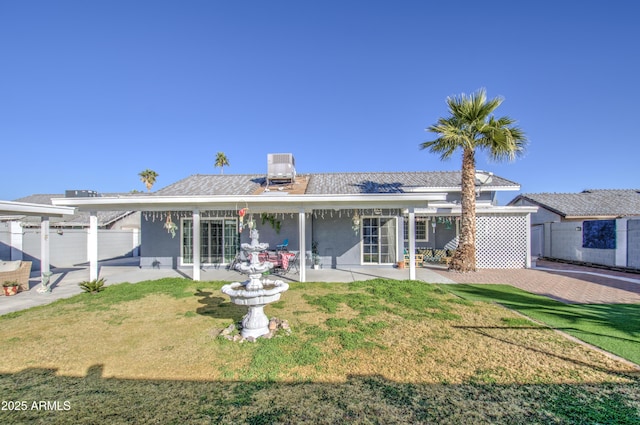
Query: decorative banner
point(599, 234)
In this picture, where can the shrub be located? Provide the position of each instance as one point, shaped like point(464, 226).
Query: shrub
point(93, 286)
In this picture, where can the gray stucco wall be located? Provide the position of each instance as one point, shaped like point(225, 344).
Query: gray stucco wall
point(338, 244)
point(633, 243)
point(157, 244)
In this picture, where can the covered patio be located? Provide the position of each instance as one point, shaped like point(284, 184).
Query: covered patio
point(301, 206)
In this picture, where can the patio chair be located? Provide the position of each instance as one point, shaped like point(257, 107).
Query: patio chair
point(286, 261)
point(283, 246)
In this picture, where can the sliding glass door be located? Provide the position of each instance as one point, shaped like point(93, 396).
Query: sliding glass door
point(218, 240)
point(379, 240)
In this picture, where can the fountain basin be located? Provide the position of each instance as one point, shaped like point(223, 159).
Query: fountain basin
point(240, 295)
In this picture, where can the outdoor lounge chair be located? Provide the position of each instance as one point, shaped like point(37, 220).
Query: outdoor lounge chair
point(18, 271)
point(283, 246)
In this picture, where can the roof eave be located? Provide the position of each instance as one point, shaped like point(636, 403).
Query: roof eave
point(21, 209)
point(282, 201)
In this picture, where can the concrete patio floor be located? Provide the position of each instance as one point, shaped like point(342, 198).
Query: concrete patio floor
point(566, 283)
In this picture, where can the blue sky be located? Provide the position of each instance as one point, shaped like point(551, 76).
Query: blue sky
point(93, 92)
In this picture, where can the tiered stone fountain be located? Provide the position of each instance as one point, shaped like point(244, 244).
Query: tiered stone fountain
point(257, 292)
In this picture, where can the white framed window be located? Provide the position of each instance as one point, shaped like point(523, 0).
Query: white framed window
point(218, 240)
point(422, 229)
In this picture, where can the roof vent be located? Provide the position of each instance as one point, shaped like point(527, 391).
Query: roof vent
point(80, 194)
point(281, 168)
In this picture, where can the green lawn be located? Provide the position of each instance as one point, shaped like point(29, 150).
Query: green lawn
point(373, 352)
point(612, 327)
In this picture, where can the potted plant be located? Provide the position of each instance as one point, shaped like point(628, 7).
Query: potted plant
point(10, 287)
point(315, 256)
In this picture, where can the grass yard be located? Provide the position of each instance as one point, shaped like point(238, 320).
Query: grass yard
point(612, 327)
point(370, 352)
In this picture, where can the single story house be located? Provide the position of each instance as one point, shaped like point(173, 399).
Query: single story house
point(348, 219)
point(594, 226)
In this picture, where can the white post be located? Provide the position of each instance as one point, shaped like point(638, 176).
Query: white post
point(621, 242)
point(136, 242)
point(44, 246)
point(16, 240)
point(528, 242)
point(412, 244)
point(92, 245)
point(302, 256)
point(196, 245)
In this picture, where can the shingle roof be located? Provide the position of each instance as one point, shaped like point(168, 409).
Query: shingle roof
point(322, 183)
point(589, 203)
point(214, 184)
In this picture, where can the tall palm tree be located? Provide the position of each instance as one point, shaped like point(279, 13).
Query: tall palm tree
point(221, 161)
point(470, 126)
point(148, 177)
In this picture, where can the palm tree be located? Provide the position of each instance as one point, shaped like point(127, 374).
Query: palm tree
point(221, 161)
point(472, 126)
point(148, 177)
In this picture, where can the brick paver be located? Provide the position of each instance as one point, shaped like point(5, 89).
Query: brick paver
point(564, 282)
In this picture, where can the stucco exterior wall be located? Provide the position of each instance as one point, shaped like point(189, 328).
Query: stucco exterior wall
point(338, 244)
point(157, 246)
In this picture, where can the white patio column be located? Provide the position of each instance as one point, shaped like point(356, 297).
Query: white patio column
point(528, 242)
point(621, 242)
point(135, 233)
point(412, 244)
point(92, 245)
point(16, 240)
point(302, 256)
point(44, 245)
point(196, 245)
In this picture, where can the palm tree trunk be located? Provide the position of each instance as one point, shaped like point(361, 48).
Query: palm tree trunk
point(464, 260)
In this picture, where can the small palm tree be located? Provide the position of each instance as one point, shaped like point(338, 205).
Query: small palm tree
point(221, 161)
point(472, 126)
point(148, 177)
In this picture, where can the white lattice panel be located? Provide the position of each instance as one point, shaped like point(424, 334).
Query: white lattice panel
point(501, 242)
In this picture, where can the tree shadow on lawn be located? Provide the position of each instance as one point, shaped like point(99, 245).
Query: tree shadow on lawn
point(484, 331)
point(218, 307)
point(624, 318)
point(40, 396)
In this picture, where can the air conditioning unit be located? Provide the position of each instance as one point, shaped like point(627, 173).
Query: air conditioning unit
point(281, 167)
